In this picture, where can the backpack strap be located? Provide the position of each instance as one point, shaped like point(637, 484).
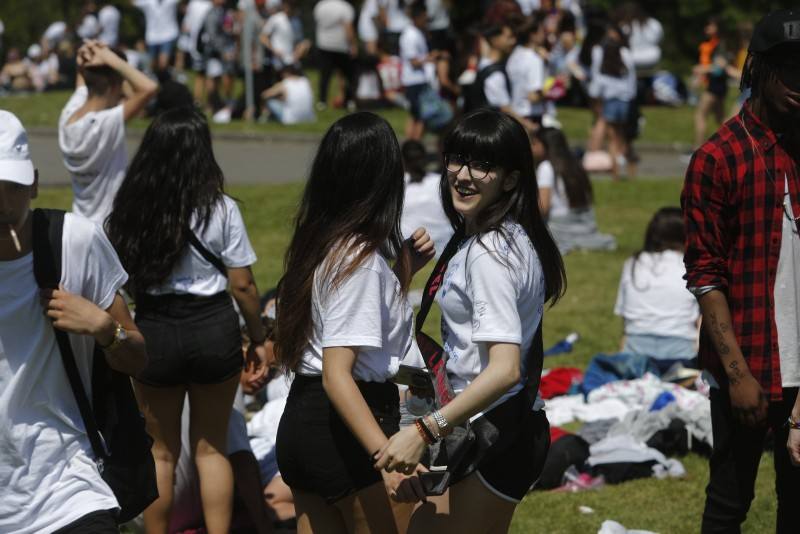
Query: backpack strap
point(48, 229)
point(209, 256)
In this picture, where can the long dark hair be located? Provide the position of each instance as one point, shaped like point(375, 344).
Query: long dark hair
point(414, 159)
point(665, 231)
point(612, 64)
point(567, 168)
point(493, 136)
point(175, 175)
point(351, 205)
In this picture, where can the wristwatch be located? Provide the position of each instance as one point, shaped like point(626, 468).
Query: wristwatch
point(120, 335)
point(441, 422)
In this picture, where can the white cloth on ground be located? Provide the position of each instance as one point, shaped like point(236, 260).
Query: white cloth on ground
point(627, 449)
point(612, 527)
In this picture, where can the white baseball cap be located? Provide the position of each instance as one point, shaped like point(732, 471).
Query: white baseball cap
point(15, 155)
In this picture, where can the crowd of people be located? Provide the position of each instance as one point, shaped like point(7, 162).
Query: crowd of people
point(362, 422)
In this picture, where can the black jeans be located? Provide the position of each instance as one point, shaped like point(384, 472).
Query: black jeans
point(344, 63)
point(99, 522)
point(734, 465)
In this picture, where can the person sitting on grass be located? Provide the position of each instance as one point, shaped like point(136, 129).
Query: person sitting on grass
point(661, 317)
point(91, 128)
point(565, 194)
point(291, 100)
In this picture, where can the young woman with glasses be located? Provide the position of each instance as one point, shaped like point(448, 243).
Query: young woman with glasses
point(343, 325)
point(492, 300)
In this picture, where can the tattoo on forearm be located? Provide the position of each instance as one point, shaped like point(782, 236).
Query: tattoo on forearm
point(736, 373)
point(718, 330)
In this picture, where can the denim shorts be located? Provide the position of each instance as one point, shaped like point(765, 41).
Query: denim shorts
point(414, 96)
point(616, 110)
point(317, 452)
point(189, 339)
point(155, 50)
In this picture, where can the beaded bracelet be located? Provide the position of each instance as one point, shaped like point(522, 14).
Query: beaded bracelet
point(793, 425)
point(422, 428)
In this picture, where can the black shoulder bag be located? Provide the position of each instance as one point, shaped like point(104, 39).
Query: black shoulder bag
point(115, 427)
point(209, 256)
point(462, 450)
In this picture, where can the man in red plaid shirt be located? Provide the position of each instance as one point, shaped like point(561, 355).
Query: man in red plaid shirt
point(741, 202)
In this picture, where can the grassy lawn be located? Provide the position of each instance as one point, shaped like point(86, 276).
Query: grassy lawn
point(623, 209)
point(664, 125)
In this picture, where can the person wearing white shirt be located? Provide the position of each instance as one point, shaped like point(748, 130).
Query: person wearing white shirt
point(394, 19)
point(48, 476)
point(91, 127)
point(345, 325)
point(525, 68)
point(89, 27)
point(415, 56)
point(182, 253)
point(278, 38)
point(439, 23)
point(161, 29)
point(368, 20)
point(660, 316)
point(109, 17)
point(492, 297)
point(613, 81)
point(336, 44)
point(291, 100)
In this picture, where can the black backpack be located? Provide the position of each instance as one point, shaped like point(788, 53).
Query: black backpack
point(115, 427)
point(474, 95)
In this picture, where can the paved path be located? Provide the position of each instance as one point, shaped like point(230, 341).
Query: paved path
point(247, 160)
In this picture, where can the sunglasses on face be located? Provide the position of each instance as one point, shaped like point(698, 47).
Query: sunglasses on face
point(478, 169)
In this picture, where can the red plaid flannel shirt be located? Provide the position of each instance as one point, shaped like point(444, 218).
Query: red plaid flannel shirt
point(732, 203)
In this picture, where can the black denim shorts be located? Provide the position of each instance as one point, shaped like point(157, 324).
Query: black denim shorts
point(189, 339)
point(316, 451)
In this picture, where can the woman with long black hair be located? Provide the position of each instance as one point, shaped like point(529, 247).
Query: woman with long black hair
point(343, 325)
point(492, 300)
point(183, 242)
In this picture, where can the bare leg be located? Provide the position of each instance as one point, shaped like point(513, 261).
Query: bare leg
point(598, 130)
point(315, 516)
point(211, 406)
point(372, 511)
point(701, 117)
point(199, 88)
point(614, 148)
point(458, 511)
point(162, 408)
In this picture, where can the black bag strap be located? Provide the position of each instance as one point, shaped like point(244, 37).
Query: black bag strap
point(209, 256)
point(48, 228)
point(535, 353)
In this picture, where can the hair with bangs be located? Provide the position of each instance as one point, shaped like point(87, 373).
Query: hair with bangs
point(495, 137)
point(350, 209)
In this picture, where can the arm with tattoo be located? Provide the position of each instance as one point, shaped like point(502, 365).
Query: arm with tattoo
point(717, 321)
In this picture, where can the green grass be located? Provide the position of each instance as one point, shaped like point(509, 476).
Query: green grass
point(664, 125)
point(623, 209)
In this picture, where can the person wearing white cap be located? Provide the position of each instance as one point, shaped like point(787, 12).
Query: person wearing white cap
point(48, 478)
point(91, 129)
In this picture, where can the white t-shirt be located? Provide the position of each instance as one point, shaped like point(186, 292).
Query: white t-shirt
point(529, 6)
point(299, 100)
point(525, 70)
point(48, 477)
point(412, 46)
point(492, 294)
point(787, 298)
point(226, 237)
point(644, 42)
point(654, 300)
point(368, 311)
point(396, 18)
point(495, 87)
point(55, 32)
point(161, 22)
point(422, 207)
point(109, 18)
point(331, 18)
point(94, 152)
point(438, 18)
point(193, 20)
point(281, 36)
point(89, 27)
point(607, 87)
point(546, 179)
point(367, 30)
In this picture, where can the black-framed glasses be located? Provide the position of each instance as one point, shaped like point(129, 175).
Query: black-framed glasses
point(478, 169)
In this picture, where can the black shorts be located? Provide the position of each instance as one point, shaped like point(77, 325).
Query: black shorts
point(99, 522)
point(414, 96)
point(515, 462)
point(316, 451)
point(189, 339)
